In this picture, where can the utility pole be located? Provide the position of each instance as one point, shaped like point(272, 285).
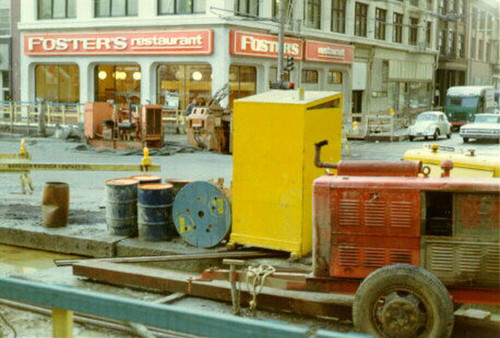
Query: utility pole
point(281, 41)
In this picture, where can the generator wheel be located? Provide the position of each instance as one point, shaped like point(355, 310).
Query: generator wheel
point(403, 301)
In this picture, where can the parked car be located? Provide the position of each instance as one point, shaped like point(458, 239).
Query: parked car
point(430, 124)
point(485, 126)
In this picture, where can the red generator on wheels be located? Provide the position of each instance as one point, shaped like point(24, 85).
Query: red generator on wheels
point(415, 241)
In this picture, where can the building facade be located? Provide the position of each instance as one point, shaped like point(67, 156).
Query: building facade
point(484, 47)
point(380, 54)
point(5, 51)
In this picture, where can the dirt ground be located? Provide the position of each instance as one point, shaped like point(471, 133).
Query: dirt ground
point(87, 211)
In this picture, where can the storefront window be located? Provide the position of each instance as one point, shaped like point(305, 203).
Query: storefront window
point(273, 73)
point(242, 82)
point(120, 83)
point(106, 8)
point(309, 76)
point(334, 77)
point(57, 83)
point(185, 83)
point(56, 9)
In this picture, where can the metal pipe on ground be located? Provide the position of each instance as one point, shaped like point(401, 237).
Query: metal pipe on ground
point(95, 321)
point(170, 258)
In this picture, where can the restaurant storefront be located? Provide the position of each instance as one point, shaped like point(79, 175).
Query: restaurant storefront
point(172, 67)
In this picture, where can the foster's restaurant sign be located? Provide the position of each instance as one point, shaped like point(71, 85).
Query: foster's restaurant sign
point(262, 45)
point(169, 42)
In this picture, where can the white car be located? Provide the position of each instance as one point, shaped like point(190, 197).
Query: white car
point(430, 124)
point(485, 127)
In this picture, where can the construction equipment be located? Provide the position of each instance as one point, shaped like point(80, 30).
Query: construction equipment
point(466, 163)
point(273, 167)
point(210, 127)
point(122, 127)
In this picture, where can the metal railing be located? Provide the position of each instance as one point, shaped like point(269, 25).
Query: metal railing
point(64, 300)
point(25, 114)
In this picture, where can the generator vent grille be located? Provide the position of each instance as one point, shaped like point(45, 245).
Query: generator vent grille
point(349, 213)
point(442, 257)
point(375, 214)
point(401, 214)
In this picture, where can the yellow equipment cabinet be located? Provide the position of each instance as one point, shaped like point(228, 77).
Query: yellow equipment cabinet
point(465, 163)
point(273, 165)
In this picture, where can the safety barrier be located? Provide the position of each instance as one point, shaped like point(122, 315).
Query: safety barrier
point(25, 114)
point(64, 300)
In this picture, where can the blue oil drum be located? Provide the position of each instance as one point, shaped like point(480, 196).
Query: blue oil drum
point(147, 179)
point(154, 207)
point(121, 206)
point(202, 214)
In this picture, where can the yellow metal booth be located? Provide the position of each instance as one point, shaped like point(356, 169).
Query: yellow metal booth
point(273, 165)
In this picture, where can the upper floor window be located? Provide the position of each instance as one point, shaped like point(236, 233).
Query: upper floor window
point(451, 6)
point(473, 48)
point(450, 44)
point(4, 18)
point(380, 23)
point(360, 19)
point(106, 8)
point(461, 45)
point(338, 16)
point(276, 8)
point(56, 9)
point(482, 20)
point(398, 28)
point(441, 41)
point(413, 37)
point(414, 3)
point(428, 33)
point(480, 50)
point(442, 7)
point(314, 14)
point(429, 5)
point(181, 6)
point(247, 7)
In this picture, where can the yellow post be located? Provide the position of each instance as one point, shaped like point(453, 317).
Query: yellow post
point(62, 323)
point(146, 160)
point(22, 150)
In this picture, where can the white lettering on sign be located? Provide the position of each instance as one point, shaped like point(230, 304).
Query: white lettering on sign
point(265, 46)
point(330, 52)
point(165, 41)
point(49, 44)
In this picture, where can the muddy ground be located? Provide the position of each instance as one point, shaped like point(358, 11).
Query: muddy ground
point(87, 215)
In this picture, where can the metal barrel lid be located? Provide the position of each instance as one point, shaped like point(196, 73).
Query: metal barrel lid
point(202, 214)
point(145, 179)
point(122, 181)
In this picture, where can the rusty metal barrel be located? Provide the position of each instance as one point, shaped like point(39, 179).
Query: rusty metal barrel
point(55, 204)
point(178, 184)
point(154, 207)
point(121, 206)
point(147, 179)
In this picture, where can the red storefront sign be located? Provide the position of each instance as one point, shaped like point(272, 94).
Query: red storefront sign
point(262, 45)
point(170, 42)
point(329, 52)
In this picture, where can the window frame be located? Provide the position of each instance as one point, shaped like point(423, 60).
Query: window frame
point(66, 15)
point(338, 19)
point(175, 8)
point(397, 35)
point(127, 14)
point(304, 76)
point(313, 12)
point(249, 4)
point(413, 31)
point(380, 23)
point(360, 19)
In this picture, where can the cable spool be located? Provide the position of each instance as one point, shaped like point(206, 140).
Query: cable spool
point(202, 214)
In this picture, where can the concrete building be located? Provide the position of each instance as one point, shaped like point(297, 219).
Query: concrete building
point(5, 51)
point(452, 37)
point(380, 54)
point(484, 48)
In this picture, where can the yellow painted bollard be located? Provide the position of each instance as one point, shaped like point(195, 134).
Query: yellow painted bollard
point(62, 323)
point(22, 150)
point(391, 111)
point(146, 160)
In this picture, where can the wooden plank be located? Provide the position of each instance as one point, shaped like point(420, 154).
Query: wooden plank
point(20, 167)
point(62, 323)
point(299, 302)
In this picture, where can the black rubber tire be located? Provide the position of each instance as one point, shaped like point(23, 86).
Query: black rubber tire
point(405, 278)
point(466, 139)
point(436, 135)
point(410, 138)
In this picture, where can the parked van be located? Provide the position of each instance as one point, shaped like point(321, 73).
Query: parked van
point(464, 102)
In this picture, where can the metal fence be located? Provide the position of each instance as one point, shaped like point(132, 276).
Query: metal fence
point(25, 114)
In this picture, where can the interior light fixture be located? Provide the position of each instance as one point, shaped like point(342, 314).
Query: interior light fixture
point(137, 76)
point(102, 75)
point(197, 76)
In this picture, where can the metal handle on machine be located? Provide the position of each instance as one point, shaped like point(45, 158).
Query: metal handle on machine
point(317, 156)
